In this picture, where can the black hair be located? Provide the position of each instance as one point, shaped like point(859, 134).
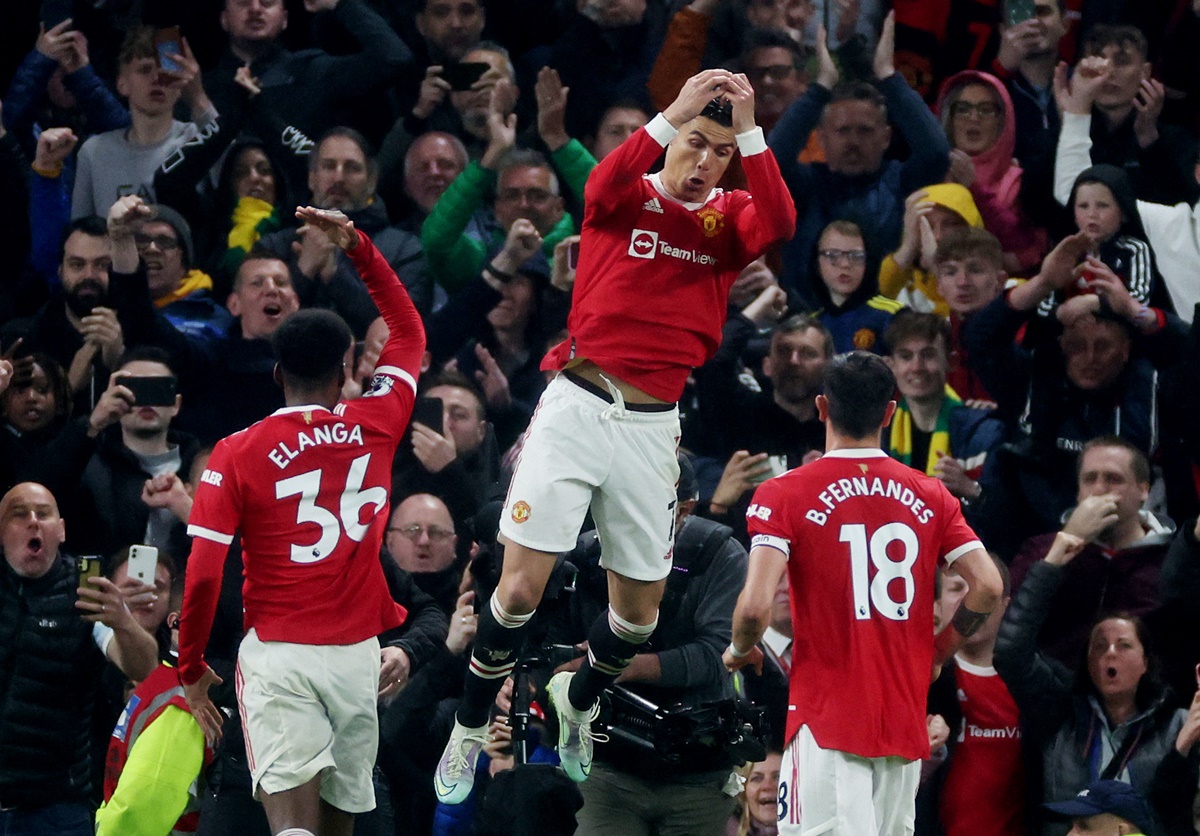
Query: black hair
point(92, 226)
point(56, 379)
point(908, 324)
point(720, 111)
point(1122, 36)
point(452, 377)
point(311, 346)
point(857, 91)
point(1151, 685)
point(859, 385)
point(225, 198)
point(147, 354)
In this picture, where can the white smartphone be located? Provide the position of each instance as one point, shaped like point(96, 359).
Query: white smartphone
point(143, 562)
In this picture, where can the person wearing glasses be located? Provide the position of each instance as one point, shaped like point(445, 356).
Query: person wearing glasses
point(421, 540)
point(977, 114)
point(853, 313)
point(181, 292)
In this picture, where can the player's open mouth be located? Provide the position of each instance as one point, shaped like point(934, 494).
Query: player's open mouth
point(696, 182)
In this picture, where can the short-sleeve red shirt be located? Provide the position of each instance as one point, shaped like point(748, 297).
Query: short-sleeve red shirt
point(864, 536)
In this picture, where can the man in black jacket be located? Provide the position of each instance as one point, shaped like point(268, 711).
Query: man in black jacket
point(54, 640)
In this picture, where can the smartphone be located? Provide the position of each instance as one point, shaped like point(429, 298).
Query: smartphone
point(573, 255)
point(150, 391)
point(55, 12)
point(464, 73)
point(428, 411)
point(166, 44)
point(143, 564)
point(89, 567)
point(1017, 11)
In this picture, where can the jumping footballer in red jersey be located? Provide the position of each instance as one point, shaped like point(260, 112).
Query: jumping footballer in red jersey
point(657, 257)
point(307, 490)
point(861, 537)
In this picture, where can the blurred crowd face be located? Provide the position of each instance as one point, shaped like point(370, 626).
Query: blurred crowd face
point(1116, 659)
point(977, 118)
point(254, 21)
point(921, 366)
point(462, 417)
point(472, 105)
point(160, 250)
point(30, 405)
point(262, 296)
point(148, 421)
point(254, 176)
point(762, 789)
point(432, 162)
point(795, 364)
point(1096, 352)
point(420, 535)
point(526, 191)
point(84, 271)
point(1051, 27)
point(147, 88)
point(1128, 69)
point(612, 14)
point(515, 308)
point(841, 261)
point(616, 125)
point(451, 26)
point(1097, 213)
point(855, 136)
point(697, 158)
point(1108, 471)
point(340, 177)
point(151, 615)
point(776, 80)
point(779, 14)
point(31, 529)
point(969, 283)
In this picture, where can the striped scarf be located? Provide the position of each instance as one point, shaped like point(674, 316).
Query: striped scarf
point(901, 437)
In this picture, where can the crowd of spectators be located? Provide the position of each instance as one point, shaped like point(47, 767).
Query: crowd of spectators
point(999, 197)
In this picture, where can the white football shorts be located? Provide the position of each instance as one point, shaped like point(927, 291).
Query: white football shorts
point(583, 450)
point(309, 710)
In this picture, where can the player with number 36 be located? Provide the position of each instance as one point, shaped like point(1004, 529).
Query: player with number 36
point(861, 537)
point(307, 490)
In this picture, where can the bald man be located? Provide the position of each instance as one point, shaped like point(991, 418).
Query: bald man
point(55, 636)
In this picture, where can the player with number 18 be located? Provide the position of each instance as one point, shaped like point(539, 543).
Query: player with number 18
point(307, 491)
point(861, 536)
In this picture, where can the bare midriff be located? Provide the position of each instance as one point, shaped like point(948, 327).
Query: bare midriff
point(592, 373)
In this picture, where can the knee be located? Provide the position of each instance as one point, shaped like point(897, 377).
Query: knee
point(519, 593)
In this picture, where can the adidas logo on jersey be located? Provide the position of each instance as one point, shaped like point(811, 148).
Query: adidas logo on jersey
point(652, 205)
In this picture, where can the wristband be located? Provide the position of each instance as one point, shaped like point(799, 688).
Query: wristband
point(733, 651)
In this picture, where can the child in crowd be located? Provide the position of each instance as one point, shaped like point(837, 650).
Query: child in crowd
point(855, 317)
point(1105, 209)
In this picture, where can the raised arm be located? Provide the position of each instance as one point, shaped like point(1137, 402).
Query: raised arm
point(406, 334)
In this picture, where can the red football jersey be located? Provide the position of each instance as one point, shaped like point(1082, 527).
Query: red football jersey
point(984, 793)
point(864, 536)
point(654, 273)
point(307, 489)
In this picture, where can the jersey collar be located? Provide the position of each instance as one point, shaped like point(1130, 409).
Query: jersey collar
point(656, 181)
point(856, 453)
point(290, 410)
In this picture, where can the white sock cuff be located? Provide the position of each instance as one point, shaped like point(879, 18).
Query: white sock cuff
point(295, 831)
point(505, 618)
point(627, 630)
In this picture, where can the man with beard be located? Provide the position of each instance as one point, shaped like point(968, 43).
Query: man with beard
point(342, 175)
point(78, 326)
point(780, 422)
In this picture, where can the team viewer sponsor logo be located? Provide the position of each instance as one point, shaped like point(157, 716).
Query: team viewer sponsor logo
point(643, 243)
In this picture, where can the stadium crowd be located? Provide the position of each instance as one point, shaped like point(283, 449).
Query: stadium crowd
point(1000, 197)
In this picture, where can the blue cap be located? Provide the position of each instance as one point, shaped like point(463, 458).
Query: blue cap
point(1113, 797)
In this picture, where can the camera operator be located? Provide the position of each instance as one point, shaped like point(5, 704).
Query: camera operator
point(634, 788)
